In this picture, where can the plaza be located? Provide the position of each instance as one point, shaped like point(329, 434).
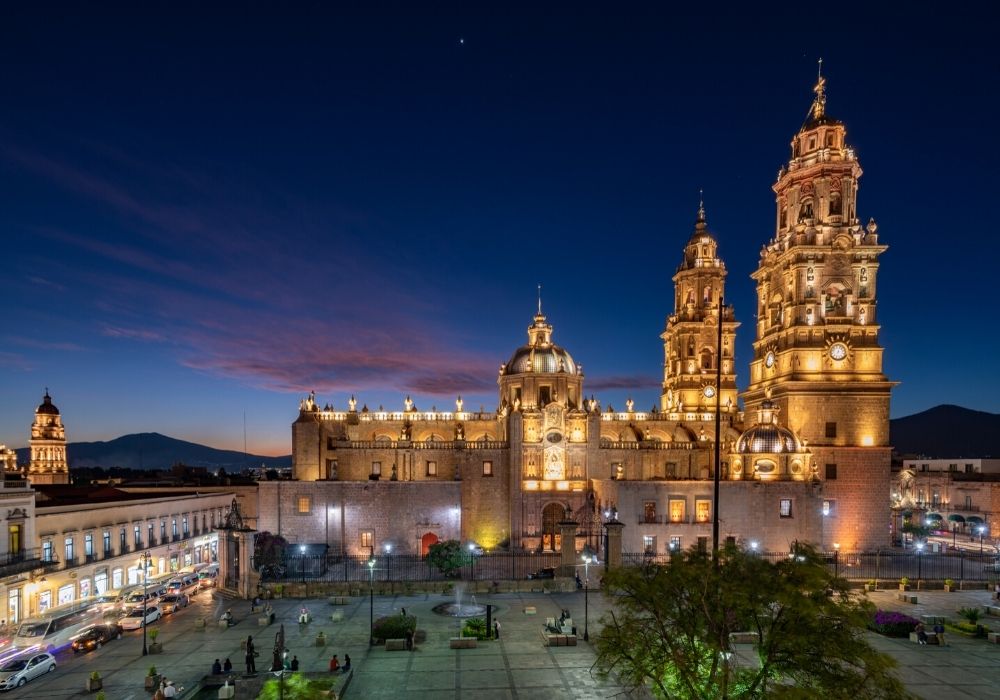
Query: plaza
point(516, 666)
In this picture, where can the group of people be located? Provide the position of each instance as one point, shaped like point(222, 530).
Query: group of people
point(922, 637)
point(167, 689)
point(218, 668)
point(337, 667)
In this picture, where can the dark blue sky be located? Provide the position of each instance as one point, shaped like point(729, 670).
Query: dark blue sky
point(212, 211)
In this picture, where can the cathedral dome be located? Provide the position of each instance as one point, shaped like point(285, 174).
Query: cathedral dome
point(543, 360)
point(767, 437)
point(46, 406)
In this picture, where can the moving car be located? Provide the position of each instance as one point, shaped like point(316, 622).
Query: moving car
point(173, 602)
point(95, 636)
point(17, 672)
point(135, 619)
point(547, 572)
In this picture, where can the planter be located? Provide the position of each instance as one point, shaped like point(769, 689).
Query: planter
point(904, 586)
point(950, 589)
point(869, 587)
point(321, 640)
point(94, 684)
point(155, 647)
point(152, 682)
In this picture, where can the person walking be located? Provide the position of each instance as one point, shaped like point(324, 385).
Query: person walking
point(295, 664)
point(496, 629)
point(250, 658)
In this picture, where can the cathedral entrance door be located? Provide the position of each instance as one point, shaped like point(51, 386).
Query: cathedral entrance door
point(426, 541)
point(551, 515)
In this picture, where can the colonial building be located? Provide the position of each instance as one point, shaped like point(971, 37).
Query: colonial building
point(810, 464)
point(954, 495)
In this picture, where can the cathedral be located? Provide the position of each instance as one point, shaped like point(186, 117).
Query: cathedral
point(807, 460)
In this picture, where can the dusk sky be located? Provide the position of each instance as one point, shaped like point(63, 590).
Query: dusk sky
point(211, 212)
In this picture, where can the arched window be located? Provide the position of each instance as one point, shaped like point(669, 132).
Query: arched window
point(806, 210)
point(706, 359)
point(784, 217)
point(836, 204)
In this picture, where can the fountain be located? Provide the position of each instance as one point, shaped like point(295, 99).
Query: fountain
point(457, 609)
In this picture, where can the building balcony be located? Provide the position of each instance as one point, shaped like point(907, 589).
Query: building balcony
point(651, 520)
point(89, 558)
point(70, 562)
point(109, 553)
point(12, 563)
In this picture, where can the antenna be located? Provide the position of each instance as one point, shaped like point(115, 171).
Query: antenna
point(539, 299)
point(701, 204)
point(819, 69)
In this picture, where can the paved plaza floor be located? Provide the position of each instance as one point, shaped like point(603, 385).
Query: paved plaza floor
point(517, 666)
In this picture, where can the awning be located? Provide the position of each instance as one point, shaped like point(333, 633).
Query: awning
point(956, 518)
point(934, 516)
point(975, 520)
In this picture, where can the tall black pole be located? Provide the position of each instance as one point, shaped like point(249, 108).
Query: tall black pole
point(718, 435)
point(586, 602)
point(144, 562)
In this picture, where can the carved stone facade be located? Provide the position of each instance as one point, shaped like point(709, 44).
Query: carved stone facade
point(813, 466)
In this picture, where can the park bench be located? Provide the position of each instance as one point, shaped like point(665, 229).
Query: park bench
point(992, 610)
point(395, 645)
point(907, 598)
point(265, 620)
point(931, 638)
point(339, 600)
point(558, 640)
point(462, 643)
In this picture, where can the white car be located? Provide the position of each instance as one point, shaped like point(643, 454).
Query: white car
point(17, 672)
point(135, 619)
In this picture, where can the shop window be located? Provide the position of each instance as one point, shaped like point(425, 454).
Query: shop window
point(66, 594)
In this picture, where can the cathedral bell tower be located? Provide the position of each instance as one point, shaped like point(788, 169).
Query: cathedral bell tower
point(48, 445)
point(690, 341)
point(817, 352)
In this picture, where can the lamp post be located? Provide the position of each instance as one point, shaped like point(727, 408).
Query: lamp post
point(371, 601)
point(302, 556)
point(388, 560)
point(588, 558)
point(836, 559)
point(954, 534)
point(472, 556)
point(982, 531)
point(920, 550)
point(144, 560)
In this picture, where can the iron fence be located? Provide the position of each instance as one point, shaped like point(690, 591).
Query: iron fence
point(884, 565)
point(495, 566)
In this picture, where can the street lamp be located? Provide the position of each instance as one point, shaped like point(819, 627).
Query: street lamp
point(302, 555)
point(588, 558)
point(371, 601)
point(472, 556)
point(982, 531)
point(836, 559)
point(920, 550)
point(144, 560)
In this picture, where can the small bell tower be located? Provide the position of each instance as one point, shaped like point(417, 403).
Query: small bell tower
point(48, 445)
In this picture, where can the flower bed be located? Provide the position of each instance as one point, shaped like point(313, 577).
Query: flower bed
point(394, 627)
point(892, 624)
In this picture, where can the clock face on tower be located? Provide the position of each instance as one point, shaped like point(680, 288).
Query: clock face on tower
point(769, 359)
point(709, 391)
point(838, 351)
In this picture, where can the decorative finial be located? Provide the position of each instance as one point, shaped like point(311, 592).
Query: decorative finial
point(701, 206)
point(819, 104)
point(539, 300)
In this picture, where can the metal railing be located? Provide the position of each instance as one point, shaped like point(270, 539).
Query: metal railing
point(24, 560)
point(500, 566)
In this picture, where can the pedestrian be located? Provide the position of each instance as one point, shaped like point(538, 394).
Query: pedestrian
point(158, 695)
point(334, 664)
point(402, 612)
point(496, 629)
point(409, 640)
point(251, 657)
point(939, 633)
point(921, 633)
point(295, 663)
point(216, 668)
point(227, 666)
point(996, 591)
point(347, 663)
point(170, 691)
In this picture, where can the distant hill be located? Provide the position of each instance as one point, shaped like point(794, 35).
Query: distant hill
point(947, 431)
point(155, 451)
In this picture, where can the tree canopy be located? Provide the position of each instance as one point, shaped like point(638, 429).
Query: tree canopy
point(670, 629)
point(448, 557)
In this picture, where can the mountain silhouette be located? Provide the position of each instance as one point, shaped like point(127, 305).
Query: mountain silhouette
point(947, 431)
point(155, 451)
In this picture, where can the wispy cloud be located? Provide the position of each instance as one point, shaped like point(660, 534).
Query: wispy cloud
point(45, 344)
point(15, 361)
point(132, 333)
point(631, 381)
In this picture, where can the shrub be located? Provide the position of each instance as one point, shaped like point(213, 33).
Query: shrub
point(970, 615)
point(475, 627)
point(95, 676)
point(949, 583)
point(872, 583)
point(892, 624)
point(394, 627)
point(101, 696)
point(154, 632)
point(904, 581)
point(152, 671)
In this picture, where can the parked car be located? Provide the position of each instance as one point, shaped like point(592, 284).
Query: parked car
point(95, 636)
point(547, 572)
point(135, 618)
point(17, 672)
point(173, 602)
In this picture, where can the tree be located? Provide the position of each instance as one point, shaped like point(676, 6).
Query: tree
point(448, 557)
point(670, 630)
point(269, 554)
